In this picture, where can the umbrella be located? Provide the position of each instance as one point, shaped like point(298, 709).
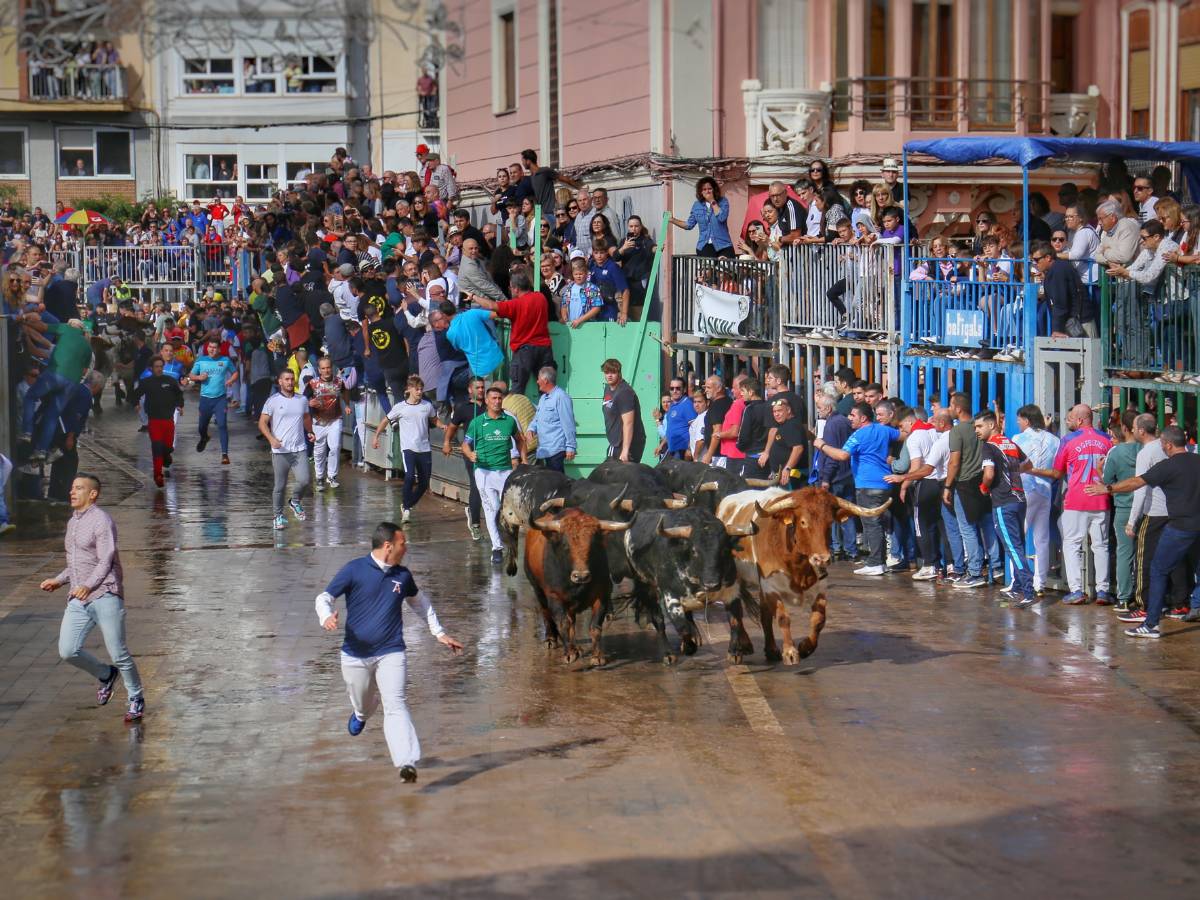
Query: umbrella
point(82, 217)
point(754, 208)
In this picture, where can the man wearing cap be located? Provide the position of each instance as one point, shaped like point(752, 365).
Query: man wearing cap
point(891, 177)
point(441, 176)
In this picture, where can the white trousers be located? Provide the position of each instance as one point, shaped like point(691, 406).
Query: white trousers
point(1076, 526)
point(491, 484)
point(327, 442)
point(1037, 524)
point(388, 672)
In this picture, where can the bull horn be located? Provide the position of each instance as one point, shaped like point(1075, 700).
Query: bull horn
point(616, 501)
point(788, 501)
point(608, 525)
point(863, 511)
point(758, 482)
point(676, 503)
point(678, 496)
point(553, 503)
point(708, 487)
point(677, 531)
point(626, 505)
point(742, 530)
point(546, 523)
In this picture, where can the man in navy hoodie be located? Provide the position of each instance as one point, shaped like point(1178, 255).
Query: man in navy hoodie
point(375, 587)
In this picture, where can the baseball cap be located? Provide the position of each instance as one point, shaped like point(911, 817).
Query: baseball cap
point(346, 270)
point(365, 264)
point(422, 149)
point(454, 229)
point(890, 165)
point(578, 254)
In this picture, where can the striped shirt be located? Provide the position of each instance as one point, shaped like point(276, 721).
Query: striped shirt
point(92, 557)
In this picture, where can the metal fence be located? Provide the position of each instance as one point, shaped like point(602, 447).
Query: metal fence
point(815, 278)
point(756, 280)
point(1151, 330)
point(67, 81)
point(145, 266)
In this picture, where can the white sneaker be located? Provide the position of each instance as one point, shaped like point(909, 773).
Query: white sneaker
point(405, 516)
point(925, 573)
point(870, 570)
point(333, 483)
point(893, 561)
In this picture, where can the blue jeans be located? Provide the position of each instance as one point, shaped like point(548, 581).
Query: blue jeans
point(1010, 526)
point(1173, 545)
point(977, 539)
point(953, 538)
point(417, 469)
point(210, 408)
point(874, 527)
point(844, 535)
point(79, 618)
point(52, 389)
point(556, 462)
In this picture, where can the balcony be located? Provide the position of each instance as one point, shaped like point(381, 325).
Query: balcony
point(1150, 334)
point(723, 301)
point(75, 84)
point(786, 121)
point(956, 105)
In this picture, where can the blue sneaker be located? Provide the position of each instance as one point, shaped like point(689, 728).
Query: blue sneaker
point(297, 509)
point(105, 691)
point(1104, 598)
point(355, 725)
point(1076, 598)
point(279, 523)
point(137, 709)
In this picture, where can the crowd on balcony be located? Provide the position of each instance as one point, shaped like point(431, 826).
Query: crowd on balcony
point(88, 70)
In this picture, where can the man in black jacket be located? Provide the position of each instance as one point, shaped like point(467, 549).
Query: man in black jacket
point(1064, 292)
point(163, 396)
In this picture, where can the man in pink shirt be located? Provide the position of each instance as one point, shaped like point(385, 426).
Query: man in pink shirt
point(1080, 460)
point(724, 439)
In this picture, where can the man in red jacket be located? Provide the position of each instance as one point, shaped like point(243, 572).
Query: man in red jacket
point(529, 339)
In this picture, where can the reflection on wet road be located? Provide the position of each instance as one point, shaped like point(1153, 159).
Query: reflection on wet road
point(935, 745)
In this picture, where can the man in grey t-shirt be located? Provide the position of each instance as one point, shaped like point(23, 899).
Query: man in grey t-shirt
point(287, 425)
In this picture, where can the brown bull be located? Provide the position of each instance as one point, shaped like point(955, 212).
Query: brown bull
point(784, 561)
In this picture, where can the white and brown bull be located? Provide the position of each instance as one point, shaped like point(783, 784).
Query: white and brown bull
point(784, 561)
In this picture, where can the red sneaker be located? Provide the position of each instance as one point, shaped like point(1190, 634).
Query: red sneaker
point(1178, 612)
point(158, 479)
point(1134, 615)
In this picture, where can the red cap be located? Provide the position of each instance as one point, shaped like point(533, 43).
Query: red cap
point(422, 149)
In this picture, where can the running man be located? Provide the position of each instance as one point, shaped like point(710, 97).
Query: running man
point(285, 422)
point(488, 445)
point(215, 374)
point(374, 645)
point(163, 401)
point(328, 399)
point(464, 412)
point(94, 573)
point(413, 415)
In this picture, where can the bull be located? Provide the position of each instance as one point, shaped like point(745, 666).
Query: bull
point(784, 560)
point(526, 489)
point(565, 563)
point(704, 485)
point(613, 471)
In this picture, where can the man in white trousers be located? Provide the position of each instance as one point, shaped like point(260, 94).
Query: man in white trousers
point(489, 444)
point(375, 587)
point(328, 400)
point(1041, 447)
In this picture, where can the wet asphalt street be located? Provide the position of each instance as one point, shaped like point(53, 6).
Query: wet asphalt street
point(935, 745)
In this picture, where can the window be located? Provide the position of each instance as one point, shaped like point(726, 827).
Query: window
point(1138, 75)
point(91, 152)
point(783, 43)
point(296, 171)
point(208, 76)
point(1062, 53)
point(878, 89)
point(208, 175)
point(990, 94)
point(12, 152)
point(260, 74)
point(504, 62)
point(261, 181)
point(932, 95)
point(1189, 70)
point(841, 65)
point(311, 75)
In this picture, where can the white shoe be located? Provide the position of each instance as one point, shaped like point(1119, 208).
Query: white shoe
point(925, 573)
point(870, 570)
point(405, 516)
point(332, 483)
point(892, 561)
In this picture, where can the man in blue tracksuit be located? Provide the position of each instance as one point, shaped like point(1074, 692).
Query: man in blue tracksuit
point(375, 587)
point(1003, 462)
point(214, 373)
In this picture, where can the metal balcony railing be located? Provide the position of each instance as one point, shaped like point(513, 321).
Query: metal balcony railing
point(863, 279)
point(942, 104)
point(755, 280)
point(65, 81)
point(1152, 331)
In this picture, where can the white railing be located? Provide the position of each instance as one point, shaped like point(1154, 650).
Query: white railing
point(63, 81)
point(862, 278)
point(148, 267)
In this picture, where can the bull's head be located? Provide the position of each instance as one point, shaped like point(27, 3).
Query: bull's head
point(577, 530)
point(808, 514)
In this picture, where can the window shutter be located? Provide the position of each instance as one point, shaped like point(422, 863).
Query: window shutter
point(1139, 79)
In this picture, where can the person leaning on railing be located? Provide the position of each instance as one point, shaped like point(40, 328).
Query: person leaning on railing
point(1071, 312)
point(1149, 265)
point(1119, 236)
point(1189, 246)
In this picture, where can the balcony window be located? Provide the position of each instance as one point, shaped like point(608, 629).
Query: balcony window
point(12, 153)
point(296, 171)
point(260, 74)
point(504, 61)
point(991, 94)
point(261, 181)
point(95, 152)
point(933, 96)
point(1137, 74)
point(208, 76)
point(311, 75)
point(208, 175)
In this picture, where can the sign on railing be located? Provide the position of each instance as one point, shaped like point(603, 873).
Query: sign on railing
point(840, 290)
point(719, 313)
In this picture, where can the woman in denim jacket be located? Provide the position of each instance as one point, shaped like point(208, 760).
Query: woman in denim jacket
point(711, 213)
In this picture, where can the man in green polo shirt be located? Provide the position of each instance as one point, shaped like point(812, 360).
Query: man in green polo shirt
point(488, 445)
point(69, 360)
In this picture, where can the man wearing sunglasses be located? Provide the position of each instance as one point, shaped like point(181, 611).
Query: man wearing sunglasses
point(1064, 292)
point(1143, 193)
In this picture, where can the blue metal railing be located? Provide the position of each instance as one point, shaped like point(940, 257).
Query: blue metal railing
point(1151, 329)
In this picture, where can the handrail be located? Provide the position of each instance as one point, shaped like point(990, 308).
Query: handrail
point(68, 81)
point(1152, 330)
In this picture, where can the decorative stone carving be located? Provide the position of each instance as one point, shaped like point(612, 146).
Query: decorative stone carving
point(1074, 115)
point(786, 121)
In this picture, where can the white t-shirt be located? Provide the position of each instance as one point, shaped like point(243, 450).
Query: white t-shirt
point(695, 431)
point(287, 422)
point(413, 421)
point(813, 221)
point(938, 455)
point(919, 443)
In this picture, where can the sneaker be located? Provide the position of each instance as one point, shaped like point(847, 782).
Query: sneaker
point(1142, 631)
point(159, 480)
point(471, 526)
point(1178, 612)
point(53, 456)
point(356, 725)
point(892, 561)
point(280, 522)
point(405, 515)
point(105, 691)
point(1122, 606)
point(37, 456)
point(971, 581)
point(1076, 598)
point(7, 527)
point(1025, 602)
point(408, 774)
point(1007, 594)
point(137, 709)
point(1133, 615)
point(926, 573)
point(497, 557)
point(332, 483)
point(224, 459)
point(870, 570)
point(297, 509)
point(202, 443)
point(25, 437)
point(1104, 598)
point(1192, 616)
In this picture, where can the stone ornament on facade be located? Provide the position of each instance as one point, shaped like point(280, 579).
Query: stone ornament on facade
point(788, 121)
point(1074, 115)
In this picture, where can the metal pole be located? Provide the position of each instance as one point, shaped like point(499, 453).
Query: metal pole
point(537, 248)
point(645, 319)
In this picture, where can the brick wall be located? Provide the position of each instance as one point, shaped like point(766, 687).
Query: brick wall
point(68, 191)
point(22, 197)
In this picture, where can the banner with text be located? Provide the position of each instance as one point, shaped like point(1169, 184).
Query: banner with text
point(719, 313)
point(964, 327)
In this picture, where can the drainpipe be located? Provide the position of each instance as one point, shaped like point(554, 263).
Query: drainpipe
point(718, 51)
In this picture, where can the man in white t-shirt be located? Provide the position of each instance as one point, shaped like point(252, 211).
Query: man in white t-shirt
point(928, 446)
point(413, 415)
point(696, 427)
point(287, 425)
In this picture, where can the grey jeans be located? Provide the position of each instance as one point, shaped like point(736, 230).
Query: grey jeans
point(297, 464)
point(79, 618)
